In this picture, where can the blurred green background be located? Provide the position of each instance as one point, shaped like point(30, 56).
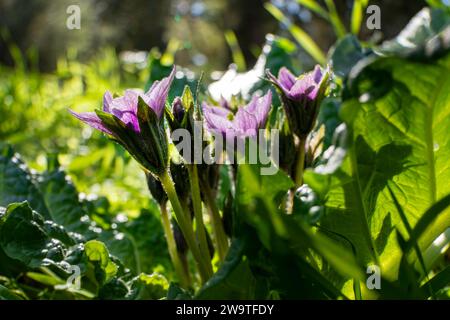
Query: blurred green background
point(46, 68)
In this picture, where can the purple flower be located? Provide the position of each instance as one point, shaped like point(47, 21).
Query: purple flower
point(301, 97)
point(246, 121)
point(125, 108)
point(134, 120)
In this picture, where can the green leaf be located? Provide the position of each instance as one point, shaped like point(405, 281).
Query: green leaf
point(148, 287)
point(346, 54)
point(409, 231)
point(424, 37)
point(397, 114)
point(187, 98)
point(115, 289)
point(288, 240)
point(428, 220)
point(61, 199)
point(45, 279)
point(148, 236)
point(97, 253)
point(439, 281)
point(16, 183)
point(6, 294)
point(175, 292)
point(25, 236)
point(233, 280)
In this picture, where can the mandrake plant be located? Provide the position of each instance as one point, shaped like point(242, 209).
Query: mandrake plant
point(358, 207)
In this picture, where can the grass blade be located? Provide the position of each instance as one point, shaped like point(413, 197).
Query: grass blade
point(305, 41)
point(426, 220)
point(336, 21)
point(315, 7)
point(439, 281)
point(357, 15)
point(409, 230)
point(236, 52)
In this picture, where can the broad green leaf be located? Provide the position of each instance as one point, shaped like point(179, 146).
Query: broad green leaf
point(425, 36)
point(16, 182)
point(147, 235)
point(346, 54)
point(25, 236)
point(148, 287)
point(427, 221)
point(97, 253)
point(398, 115)
point(233, 280)
point(61, 199)
point(175, 292)
point(258, 200)
point(115, 289)
point(51, 194)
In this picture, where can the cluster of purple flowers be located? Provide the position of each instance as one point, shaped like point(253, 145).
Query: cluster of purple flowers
point(136, 120)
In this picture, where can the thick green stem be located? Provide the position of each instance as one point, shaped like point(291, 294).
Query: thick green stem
point(219, 233)
point(185, 225)
point(171, 244)
point(300, 166)
point(197, 204)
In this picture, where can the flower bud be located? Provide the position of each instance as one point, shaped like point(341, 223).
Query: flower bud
point(180, 241)
point(156, 189)
point(301, 97)
point(178, 110)
point(135, 121)
point(180, 177)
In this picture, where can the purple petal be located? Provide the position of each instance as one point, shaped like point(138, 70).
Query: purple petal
point(305, 86)
point(317, 74)
point(156, 96)
point(125, 108)
point(285, 78)
point(107, 99)
point(224, 103)
point(225, 113)
point(264, 103)
point(245, 123)
point(215, 122)
point(92, 120)
point(260, 107)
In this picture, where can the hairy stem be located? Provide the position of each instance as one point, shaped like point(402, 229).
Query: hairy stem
point(185, 225)
point(197, 204)
point(300, 166)
point(171, 244)
point(219, 233)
